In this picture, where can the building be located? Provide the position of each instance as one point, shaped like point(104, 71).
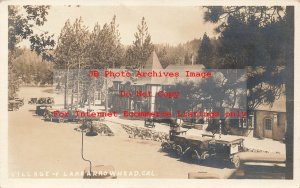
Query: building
point(265, 122)
point(270, 121)
point(146, 84)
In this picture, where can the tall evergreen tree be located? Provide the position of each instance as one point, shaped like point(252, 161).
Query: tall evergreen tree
point(205, 52)
point(105, 49)
point(138, 53)
point(263, 38)
point(71, 53)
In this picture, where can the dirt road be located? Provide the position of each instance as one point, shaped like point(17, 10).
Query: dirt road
point(39, 149)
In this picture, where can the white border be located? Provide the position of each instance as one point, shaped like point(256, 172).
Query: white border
point(174, 183)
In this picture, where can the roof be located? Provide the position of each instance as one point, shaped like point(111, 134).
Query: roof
point(153, 62)
point(182, 71)
point(279, 105)
point(194, 67)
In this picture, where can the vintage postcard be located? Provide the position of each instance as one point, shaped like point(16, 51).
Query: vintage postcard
point(149, 94)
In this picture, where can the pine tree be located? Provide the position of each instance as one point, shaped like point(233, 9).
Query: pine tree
point(205, 52)
point(270, 45)
point(138, 53)
point(105, 49)
point(71, 53)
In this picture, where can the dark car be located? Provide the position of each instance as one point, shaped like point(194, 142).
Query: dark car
point(226, 150)
point(33, 101)
point(41, 109)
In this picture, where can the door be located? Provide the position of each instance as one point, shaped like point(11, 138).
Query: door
point(268, 128)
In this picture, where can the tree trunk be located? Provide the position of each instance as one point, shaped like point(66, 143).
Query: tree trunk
point(72, 95)
point(78, 83)
point(66, 90)
point(94, 98)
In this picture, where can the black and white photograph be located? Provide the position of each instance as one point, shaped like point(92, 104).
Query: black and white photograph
point(137, 91)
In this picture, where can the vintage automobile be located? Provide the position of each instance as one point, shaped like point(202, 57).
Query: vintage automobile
point(186, 146)
point(197, 147)
point(72, 116)
point(42, 100)
point(206, 146)
point(61, 119)
point(33, 101)
point(45, 100)
point(50, 116)
point(20, 101)
point(226, 149)
point(40, 109)
point(50, 100)
point(15, 103)
point(170, 145)
point(253, 165)
point(149, 122)
point(264, 165)
point(191, 123)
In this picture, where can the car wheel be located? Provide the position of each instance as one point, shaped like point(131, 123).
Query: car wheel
point(166, 146)
point(195, 156)
point(178, 150)
point(236, 162)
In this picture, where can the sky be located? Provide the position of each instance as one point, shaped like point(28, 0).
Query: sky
point(166, 24)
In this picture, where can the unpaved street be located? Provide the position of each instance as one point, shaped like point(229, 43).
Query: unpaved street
point(38, 148)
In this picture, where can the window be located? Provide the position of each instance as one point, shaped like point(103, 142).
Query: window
point(250, 122)
point(268, 124)
point(244, 123)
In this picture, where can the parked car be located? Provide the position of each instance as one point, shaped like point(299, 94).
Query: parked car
point(33, 101)
point(20, 100)
point(199, 148)
point(149, 122)
point(253, 165)
point(226, 149)
point(41, 109)
point(44, 100)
